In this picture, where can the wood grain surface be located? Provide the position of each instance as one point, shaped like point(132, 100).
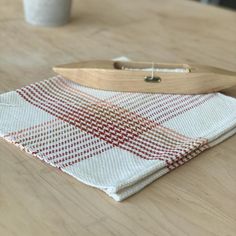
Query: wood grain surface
point(198, 198)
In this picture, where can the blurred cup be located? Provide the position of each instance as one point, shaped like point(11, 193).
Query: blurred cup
point(47, 12)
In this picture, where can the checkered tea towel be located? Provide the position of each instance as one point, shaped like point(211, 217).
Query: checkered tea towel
point(118, 142)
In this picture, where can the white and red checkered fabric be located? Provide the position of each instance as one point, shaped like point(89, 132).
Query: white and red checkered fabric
point(117, 142)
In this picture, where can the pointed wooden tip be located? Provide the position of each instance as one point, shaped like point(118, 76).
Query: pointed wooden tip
point(61, 69)
point(57, 69)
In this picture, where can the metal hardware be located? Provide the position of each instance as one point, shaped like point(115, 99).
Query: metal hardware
point(152, 79)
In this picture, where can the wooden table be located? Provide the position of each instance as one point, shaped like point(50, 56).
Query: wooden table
point(198, 198)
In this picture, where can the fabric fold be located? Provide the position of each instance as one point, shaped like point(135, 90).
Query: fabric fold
point(115, 141)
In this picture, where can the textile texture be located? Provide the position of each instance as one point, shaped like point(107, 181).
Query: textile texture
point(117, 142)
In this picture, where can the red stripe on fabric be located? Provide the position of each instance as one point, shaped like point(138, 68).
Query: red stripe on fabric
point(158, 100)
point(84, 157)
point(62, 81)
point(40, 132)
point(84, 148)
point(46, 137)
point(172, 166)
point(188, 108)
point(145, 98)
point(22, 131)
point(108, 103)
point(69, 143)
point(157, 148)
point(176, 103)
point(63, 140)
point(102, 107)
point(102, 103)
point(173, 109)
point(77, 146)
point(119, 134)
point(78, 156)
point(181, 104)
point(170, 154)
point(102, 135)
point(152, 122)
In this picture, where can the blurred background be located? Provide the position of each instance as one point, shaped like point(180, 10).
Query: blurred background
point(224, 3)
point(193, 31)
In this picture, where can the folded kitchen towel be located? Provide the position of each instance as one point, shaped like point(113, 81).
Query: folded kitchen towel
point(118, 142)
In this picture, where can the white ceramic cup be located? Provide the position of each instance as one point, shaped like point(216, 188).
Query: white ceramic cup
point(47, 12)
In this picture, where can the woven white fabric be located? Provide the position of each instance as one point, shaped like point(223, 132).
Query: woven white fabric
point(117, 142)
